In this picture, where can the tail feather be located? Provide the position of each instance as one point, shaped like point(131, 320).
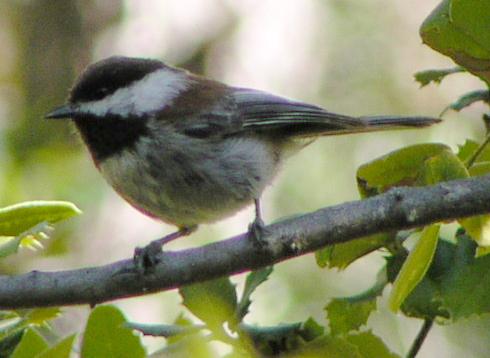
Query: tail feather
point(391, 122)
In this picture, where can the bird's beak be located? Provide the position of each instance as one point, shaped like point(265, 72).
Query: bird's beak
point(65, 111)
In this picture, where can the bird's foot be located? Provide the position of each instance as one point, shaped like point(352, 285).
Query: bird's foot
point(146, 258)
point(257, 232)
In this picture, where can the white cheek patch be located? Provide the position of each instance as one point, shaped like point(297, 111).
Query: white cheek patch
point(153, 92)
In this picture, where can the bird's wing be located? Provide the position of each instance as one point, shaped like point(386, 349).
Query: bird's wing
point(261, 111)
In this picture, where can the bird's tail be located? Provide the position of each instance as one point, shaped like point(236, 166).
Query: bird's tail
point(393, 122)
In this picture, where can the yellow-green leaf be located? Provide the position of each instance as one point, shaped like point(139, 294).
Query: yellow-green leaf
point(61, 349)
point(107, 336)
point(39, 316)
point(18, 218)
point(448, 30)
point(442, 167)
point(400, 167)
point(415, 266)
point(31, 344)
point(478, 227)
point(479, 169)
point(213, 301)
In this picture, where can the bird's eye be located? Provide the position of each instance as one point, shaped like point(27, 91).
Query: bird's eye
point(101, 92)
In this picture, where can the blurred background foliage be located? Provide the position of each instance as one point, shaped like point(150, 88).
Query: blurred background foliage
point(350, 56)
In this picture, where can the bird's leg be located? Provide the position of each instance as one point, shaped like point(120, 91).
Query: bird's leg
point(257, 230)
point(147, 257)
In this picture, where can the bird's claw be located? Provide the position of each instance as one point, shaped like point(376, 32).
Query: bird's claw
point(257, 232)
point(146, 258)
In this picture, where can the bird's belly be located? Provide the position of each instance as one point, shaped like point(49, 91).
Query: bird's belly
point(187, 187)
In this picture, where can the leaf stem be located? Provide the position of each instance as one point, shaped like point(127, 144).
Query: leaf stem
point(419, 340)
point(471, 160)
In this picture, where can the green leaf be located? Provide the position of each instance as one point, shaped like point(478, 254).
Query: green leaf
point(30, 239)
point(457, 285)
point(467, 149)
point(213, 302)
point(311, 329)
point(468, 99)
point(436, 76)
point(18, 218)
point(459, 29)
point(106, 336)
point(274, 339)
point(415, 266)
point(400, 167)
point(342, 255)
point(62, 349)
point(370, 345)
point(465, 291)
point(480, 164)
point(329, 347)
point(478, 227)
point(478, 29)
point(40, 316)
point(442, 167)
point(31, 345)
point(345, 316)
point(482, 251)
point(9, 245)
point(9, 343)
point(416, 165)
point(254, 279)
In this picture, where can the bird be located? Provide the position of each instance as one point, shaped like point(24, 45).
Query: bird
point(189, 150)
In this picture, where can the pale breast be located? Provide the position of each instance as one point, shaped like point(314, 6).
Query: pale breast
point(194, 183)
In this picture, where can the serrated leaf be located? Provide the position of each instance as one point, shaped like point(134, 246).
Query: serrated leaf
point(442, 167)
point(345, 316)
point(254, 279)
point(370, 345)
point(213, 302)
point(458, 29)
point(415, 266)
point(342, 255)
point(62, 349)
point(468, 99)
point(436, 76)
point(467, 149)
point(311, 329)
point(349, 313)
point(106, 336)
point(400, 167)
point(40, 316)
point(416, 165)
point(329, 347)
point(457, 285)
point(465, 291)
point(30, 239)
point(31, 344)
point(16, 219)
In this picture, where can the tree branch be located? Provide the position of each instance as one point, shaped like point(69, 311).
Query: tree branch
point(400, 208)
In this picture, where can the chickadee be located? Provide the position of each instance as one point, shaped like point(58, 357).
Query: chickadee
point(189, 150)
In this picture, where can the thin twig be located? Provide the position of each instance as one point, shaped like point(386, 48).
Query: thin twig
point(419, 340)
point(471, 160)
